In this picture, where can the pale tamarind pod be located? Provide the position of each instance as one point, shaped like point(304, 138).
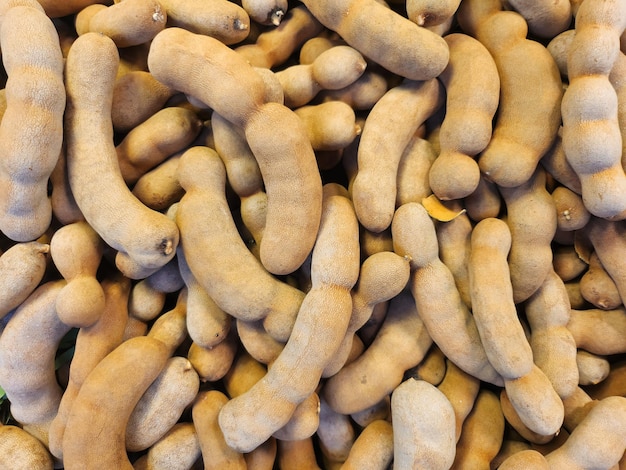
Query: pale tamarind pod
point(145, 239)
point(437, 298)
point(403, 337)
point(598, 287)
point(257, 341)
point(314, 338)
point(617, 77)
point(545, 19)
point(178, 449)
point(225, 21)
point(482, 432)
point(423, 426)
point(76, 250)
point(428, 13)
point(567, 262)
point(213, 363)
point(413, 169)
point(22, 268)
point(592, 368)
point(554, 347)
point(274, 46)
point(571, 211)
point(162, 404)
point(390, 32)
point(556, 164)
point(304, 421)
point(558, 46)
point(57, 10)
point(27, 354)
point(527, 458)
point(21, 450)
point(335, 434)
point(159, 188)
point(166, 132)
point(372, 448)
point(380, 410)
point(64, 207)
point(288, 166)
point(93, 343)
point(241, 287)
point(455, 173)
point(362, 94)
point(527, 205)
point(313, 47)
point(112, 388)
point(389, 127)
point(171, 327)
point(35, 94)
point(591, 132)
point(266, 12)
point(599, 331)
point(484, 202)
point(331, 125)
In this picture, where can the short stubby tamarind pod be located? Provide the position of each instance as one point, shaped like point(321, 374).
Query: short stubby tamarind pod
point(35, 94)
point(214, 251)
point(288, 165)
point(28, 347)
point(471, 102)
point(592, 368)
point(384, 36)
point(423, 426)
point(319, 328)
point(598, 441)
point(389, 127)
point(493, 308)
point(22, 268)
point(330, 126)
point(447, 318)
point(95, 432)
point(213, 363)
point(598, 287)
point(373, 447)
point(21, 450)
point(145, 239)
point(592, 140)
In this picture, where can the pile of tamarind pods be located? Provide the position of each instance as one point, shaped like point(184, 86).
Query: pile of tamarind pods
point(315, 234)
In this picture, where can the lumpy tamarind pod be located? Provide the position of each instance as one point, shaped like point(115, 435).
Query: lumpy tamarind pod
point(28, 347)
point(401, 343)
point(288, 165)
point(21, 450)
point(598, 287)
point(237, 282)
point(22, 267)
point(372, 448)
point(447, 318)
point(389, 127)
point(384, 36)
point(92, 344)
point(599, 331)
point(330, 126)
point(423, 426)
point(35, 94)
point(471, 102)
point(145, 239)
point(95, 430)
point(317, 333)
point(493, 308)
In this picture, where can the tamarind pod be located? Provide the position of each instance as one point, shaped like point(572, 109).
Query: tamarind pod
point(92, 344)
point(64, 207)
point(461, 389)
point(427, 13)
point(213, 363)
point(22, 268)
point(413, 168)
point(55, 9)
point(145, 239)
point(171, 327)
point(21, 450)
point(35, 94)
point(266, 12)
point(572, 213)
point(263, 457)
point(178, 449)
point(374, 39)
point(598, 287)
point(592, 368)
point(388, 129)
point(373, 447)
point(317, 333)
point(484, 202)
point(545, 19)
point(335, 434)
point(297, 455)
point(303, 423)
point(599, 331)
point(436, 296)
point(158, 188)
point(257, 341)
point(528, 458)
point(95, 431)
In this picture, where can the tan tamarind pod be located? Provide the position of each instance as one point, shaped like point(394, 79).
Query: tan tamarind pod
point(28, 348)
point(362, 94)
point(266, 12)
point(527, 205)
point(35, 94)
point(372, 448)
point(572, 213)
point(217, 454)
point(599, 331)
point(413, 168)
point(223, 20)
point(335, 434)
point(316, 335)
point(304, 421)
point(553, 346)
point(471, 102)
point(567, 262)
point(613, 384)
point(130, 22)
point(598, 287)
point(159, 188)
point(461, 389)
point(288, 165)
point(246, 290)
point(545, 19)
point(484, 202)
point(55, 9)
point(64, 207)
point(423, 426)
point(379, 411)
point(113, 388)
point(576, 406)
point(398, 113)
point(432, 369)
point(21, 450)
point(427, 13)
point(558, 46)
point(243, 374)
point(445, 315)
point(213, 363)
point(171, 327)
point(162, 404)
point(313, 47)
point(371, 38)
point(76, 250)
point(401, 343)
point(178, 449)
point(297, 455)
point(274, 46)
point(556, 164)
point(145, 239)
point(22, 268)
point(515, 422)
point(93, 343)
point(599, 439)
point(592, 368)
point(482, 433)
point(331, 125)
point(529, 108)
point(166, 132)
point(524, 459)
point(263, 457)
point(258, 342)
point(137, 95)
